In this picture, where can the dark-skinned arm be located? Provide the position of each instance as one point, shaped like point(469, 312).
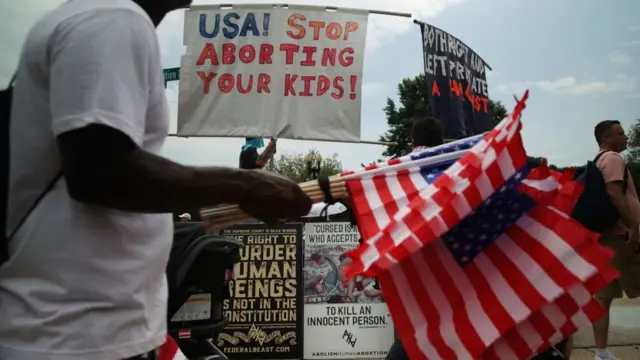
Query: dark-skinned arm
point(102, 166)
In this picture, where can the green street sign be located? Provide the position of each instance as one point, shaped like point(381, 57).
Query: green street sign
point(171, 74)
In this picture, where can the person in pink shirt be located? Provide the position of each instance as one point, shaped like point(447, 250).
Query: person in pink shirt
point(622, 238)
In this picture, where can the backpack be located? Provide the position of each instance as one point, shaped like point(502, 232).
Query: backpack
point(594, 208)
point(6, 97)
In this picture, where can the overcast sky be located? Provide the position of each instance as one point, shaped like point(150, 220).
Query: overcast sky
point(579, 58)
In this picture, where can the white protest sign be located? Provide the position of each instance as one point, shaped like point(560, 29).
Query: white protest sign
point(351, 318)
point(256, 70)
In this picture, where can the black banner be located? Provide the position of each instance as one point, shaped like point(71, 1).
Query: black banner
point(457, 83)
point(265, 309)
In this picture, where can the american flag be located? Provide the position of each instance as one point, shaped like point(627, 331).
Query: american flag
point(389, 186)
point(170, 351)
point(482, 262)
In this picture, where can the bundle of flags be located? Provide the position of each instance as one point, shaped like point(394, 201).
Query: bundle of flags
point(475, 252)
point(170, 350)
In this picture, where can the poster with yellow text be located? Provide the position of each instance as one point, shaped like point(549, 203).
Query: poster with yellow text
point(265, 309)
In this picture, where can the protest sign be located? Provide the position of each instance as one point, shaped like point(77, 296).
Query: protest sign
point(264, 312)
point(351, 318)
point(261, 71)
point(457, 81)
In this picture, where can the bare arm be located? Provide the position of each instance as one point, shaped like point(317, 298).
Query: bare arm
point(613, 170)
point(104, 167)
point(267, 154)
point(620, 202)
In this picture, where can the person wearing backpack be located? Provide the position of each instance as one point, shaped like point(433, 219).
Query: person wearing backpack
point(89, 226)
point(622, 237)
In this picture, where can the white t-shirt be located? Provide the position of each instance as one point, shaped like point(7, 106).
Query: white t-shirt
point(84, 282)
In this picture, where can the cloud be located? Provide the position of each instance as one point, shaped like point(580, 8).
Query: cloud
point(382, 29)
point(633, 28)
point(618, 57)
point(570, 86)
point(374, 89)
point(503, 88)
point(631, 43)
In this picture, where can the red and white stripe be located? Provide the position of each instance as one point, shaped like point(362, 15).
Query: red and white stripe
point(170, 351)
point(401, 230)
point(532, 286)
point(443, 311)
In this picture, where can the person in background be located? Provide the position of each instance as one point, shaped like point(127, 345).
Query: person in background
point(623, 238)
point(425, 133)
point(249, 157)
point(186, 217)
point(85, 279)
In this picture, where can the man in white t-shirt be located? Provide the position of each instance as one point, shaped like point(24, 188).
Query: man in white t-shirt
point(86, 274)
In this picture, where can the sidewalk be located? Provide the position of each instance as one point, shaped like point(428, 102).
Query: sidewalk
point(624, 334)
point(622, 352)
point(624, 329)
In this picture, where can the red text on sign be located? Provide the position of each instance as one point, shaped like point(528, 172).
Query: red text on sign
point(248, 54)
point(294, 85)
point(227, 83)
point(332, 30)
point(311, 85)
point(479, 103)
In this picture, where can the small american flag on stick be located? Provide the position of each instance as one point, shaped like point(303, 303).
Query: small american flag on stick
point(475, 253)
point(170, 351)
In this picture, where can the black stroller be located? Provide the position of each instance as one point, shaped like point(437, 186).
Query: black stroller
point(199, 271)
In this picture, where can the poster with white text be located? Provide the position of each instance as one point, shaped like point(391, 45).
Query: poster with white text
point(260, 70)
point(350, 317)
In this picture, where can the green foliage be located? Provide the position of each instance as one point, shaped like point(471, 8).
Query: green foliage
point(633, 152)
point(294, 166)
point(412, 93)
point(497, 111)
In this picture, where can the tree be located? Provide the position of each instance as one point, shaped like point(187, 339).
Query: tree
point(497, 111)
point(413, 93)
point(295, 167)
point(633, 152)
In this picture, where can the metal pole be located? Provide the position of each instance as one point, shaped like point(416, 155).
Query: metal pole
point(390, 13)
point(285, 6)
point(369, 142)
